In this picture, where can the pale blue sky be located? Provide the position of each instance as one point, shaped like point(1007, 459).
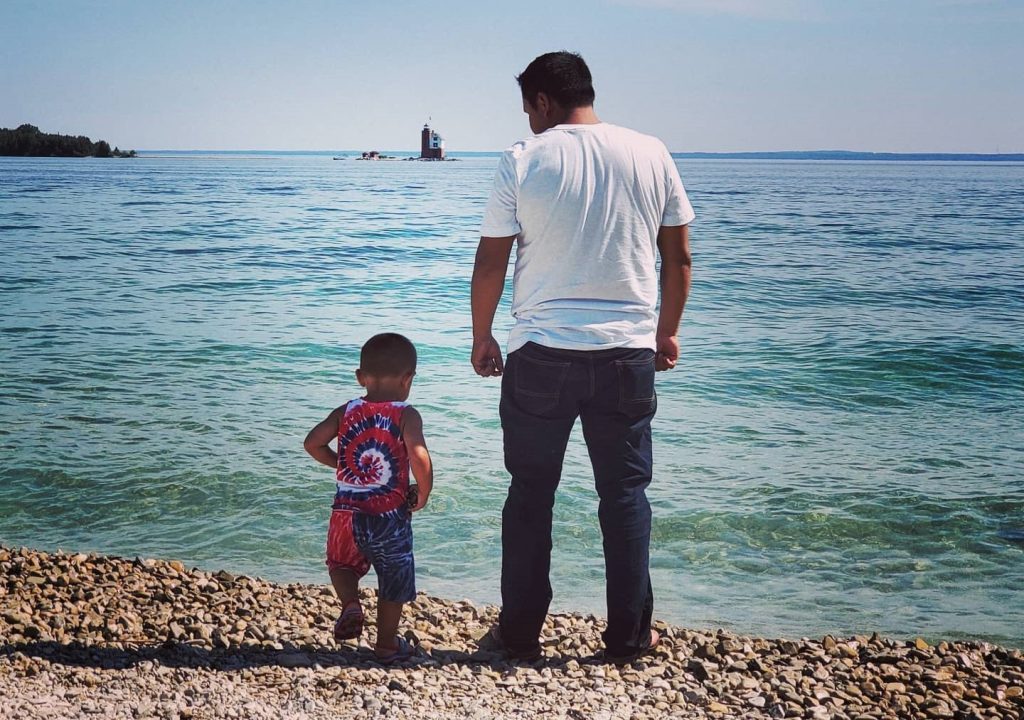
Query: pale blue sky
point(706, 75)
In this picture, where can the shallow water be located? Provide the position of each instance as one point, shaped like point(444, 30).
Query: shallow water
point(840, 449)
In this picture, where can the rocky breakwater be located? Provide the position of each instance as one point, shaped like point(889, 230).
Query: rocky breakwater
point(91, 636)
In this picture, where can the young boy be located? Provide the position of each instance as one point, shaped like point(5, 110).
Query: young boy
point(379, 437)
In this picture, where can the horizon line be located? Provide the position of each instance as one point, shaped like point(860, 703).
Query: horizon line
point(681, 154)
point(674, 152)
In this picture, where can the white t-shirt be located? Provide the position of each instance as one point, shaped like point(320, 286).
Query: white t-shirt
point(586, 202)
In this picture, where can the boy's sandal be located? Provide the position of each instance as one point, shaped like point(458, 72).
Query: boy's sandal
point(626, 659)
point(349, 624)
point(403, 650)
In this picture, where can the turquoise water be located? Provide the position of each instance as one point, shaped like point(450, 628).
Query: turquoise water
point(840, 450)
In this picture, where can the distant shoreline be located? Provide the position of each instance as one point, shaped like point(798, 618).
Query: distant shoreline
point(851, 155)
point(29, 141)
point(828, 155)
point(785, 155)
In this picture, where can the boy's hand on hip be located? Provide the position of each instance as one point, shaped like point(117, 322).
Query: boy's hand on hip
point(486, 357)
point(417, 498)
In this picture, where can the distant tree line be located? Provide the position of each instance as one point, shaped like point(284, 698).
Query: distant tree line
point(28, 141)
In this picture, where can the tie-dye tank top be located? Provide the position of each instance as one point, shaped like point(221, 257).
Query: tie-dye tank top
point(373, 464)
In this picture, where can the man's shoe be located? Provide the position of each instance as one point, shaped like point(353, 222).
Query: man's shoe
point(493, 642)
point(626, 659)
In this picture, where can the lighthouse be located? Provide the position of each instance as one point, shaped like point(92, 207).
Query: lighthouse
point(431, 144)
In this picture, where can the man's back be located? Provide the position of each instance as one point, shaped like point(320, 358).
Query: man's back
point(586, 201)
point(588, 206)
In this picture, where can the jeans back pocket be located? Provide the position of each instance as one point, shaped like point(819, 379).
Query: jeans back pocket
point(537, 382)
point(636, 386)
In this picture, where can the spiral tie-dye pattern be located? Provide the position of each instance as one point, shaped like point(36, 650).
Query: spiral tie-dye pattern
point(373, 465)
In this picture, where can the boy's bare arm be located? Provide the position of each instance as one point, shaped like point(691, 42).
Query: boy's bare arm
point(318, 442)
point(419, 456)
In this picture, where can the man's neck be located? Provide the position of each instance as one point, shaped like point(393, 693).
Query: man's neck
point(581, 116)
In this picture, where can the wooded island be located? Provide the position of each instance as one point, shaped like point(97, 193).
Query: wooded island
point(28, 141)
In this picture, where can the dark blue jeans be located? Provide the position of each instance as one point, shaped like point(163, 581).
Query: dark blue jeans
point(543, 391)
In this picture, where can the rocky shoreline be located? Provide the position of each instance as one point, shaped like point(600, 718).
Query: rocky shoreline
point(84, 635)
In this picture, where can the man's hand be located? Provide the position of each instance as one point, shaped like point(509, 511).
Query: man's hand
point(667, 352)
point(486, 357)
point(489, 270)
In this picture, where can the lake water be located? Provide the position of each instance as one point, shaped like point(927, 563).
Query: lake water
point(841, 448)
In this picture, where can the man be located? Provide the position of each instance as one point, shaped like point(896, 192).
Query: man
point(587, 204)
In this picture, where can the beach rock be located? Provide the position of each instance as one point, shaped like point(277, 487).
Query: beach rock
point(98, 636)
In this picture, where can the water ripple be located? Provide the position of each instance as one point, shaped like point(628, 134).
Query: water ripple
point(839, 450)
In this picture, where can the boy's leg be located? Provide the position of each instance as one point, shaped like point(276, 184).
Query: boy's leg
point(387, 541)
point(345, 563)
point(617, 430)
point(346, 584)
point(537, 414)
point(389, 615)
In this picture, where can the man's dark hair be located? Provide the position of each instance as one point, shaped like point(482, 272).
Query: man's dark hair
point(388, 355)
point(562, 76)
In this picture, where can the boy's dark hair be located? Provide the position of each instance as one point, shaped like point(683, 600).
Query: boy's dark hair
point(388, 355)
point(562, 76)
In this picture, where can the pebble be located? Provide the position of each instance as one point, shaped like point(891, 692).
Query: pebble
point(89, 636)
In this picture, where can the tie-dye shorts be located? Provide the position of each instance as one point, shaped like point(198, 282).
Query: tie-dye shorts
point(356, 541)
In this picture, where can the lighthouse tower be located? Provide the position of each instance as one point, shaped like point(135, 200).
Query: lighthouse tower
point(431, 144)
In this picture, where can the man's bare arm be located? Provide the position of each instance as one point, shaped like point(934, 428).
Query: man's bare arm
point(674, 246)
point(488, 283)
